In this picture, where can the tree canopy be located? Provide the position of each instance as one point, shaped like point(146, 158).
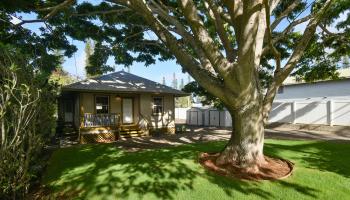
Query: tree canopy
point(240, 52)
point(121, 33)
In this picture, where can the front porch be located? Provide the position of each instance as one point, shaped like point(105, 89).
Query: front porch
point(106, 117)
point(104, 128)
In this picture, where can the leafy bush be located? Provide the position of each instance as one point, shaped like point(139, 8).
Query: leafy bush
point(27, 107)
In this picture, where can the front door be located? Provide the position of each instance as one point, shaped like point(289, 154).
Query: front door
point(68, 110)
point(128, 111)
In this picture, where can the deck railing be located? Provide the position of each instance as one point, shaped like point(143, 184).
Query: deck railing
point(98, 120)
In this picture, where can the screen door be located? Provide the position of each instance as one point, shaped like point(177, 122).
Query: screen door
point(127, 111)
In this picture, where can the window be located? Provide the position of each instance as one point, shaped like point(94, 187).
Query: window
point(157, 105)
point(102, 104)
point(280, 90)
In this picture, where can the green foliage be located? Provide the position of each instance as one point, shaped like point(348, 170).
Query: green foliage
point(205, 97)
point(125, 36)
point(183, 102)
point(61, 77)
point(26, 118)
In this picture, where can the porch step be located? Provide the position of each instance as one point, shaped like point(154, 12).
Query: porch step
point(130, 135)
point(129, 132)
point(130, 128)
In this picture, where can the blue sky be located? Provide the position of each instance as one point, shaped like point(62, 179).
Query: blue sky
point(76, 64)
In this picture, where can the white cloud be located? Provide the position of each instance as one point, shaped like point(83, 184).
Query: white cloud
point(15, 20)
point(341, 17)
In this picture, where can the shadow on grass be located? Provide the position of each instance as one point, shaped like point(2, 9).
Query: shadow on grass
point(328, 156)
point(106, 171)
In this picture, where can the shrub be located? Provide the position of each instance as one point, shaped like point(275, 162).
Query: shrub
point(27, 106)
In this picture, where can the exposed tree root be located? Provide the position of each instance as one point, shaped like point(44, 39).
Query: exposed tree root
point(270, 169)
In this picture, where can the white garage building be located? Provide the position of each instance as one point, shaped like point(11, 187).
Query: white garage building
point(324, 102)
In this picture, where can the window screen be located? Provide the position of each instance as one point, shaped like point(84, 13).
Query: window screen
point(157, 105)
point(102, 103)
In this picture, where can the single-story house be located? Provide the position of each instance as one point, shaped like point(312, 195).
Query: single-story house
point(104, 108)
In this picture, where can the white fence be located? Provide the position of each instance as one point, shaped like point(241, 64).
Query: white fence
point(331, 112)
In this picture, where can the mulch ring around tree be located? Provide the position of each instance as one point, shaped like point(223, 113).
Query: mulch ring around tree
point(273, 169)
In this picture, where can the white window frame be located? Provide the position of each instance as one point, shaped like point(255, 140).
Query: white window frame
point(153, 106)
point(98, 96)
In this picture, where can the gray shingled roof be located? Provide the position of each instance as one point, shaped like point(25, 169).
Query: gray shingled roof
point(122, 82)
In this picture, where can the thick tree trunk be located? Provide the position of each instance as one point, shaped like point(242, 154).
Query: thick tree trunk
point(245, 147)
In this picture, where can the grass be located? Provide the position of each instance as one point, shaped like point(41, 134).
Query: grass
point(106, 172)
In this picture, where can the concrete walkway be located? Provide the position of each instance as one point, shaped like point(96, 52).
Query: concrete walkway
point(195, 135)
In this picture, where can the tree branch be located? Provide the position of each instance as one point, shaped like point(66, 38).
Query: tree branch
point(205, 78)
point(114, 11)
point(219, 62)
point(294, 58)
point(269, 37)
point(219, 25)
point(54, 11)
point(286, 31)
point(284, 14)
point(181, 30)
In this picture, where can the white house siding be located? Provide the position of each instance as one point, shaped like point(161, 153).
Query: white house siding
point(326, 102)
point(330, 89)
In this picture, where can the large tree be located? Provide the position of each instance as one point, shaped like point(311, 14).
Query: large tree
point(225, 45)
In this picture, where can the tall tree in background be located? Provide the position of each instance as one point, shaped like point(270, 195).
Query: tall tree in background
point(59, 75)
point(89, 50)
point(346, 63)
point(174, 81)
point(182, 84)
point(226, 46)
point(182, 102)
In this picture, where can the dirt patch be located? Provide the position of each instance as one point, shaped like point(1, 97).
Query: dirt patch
point(273, 169)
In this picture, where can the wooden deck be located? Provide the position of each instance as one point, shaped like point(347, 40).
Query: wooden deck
point(109, 134)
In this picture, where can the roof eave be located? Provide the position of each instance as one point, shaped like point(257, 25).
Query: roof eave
point(183, 94)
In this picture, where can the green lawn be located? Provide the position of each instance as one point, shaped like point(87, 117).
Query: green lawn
point(105, 172)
